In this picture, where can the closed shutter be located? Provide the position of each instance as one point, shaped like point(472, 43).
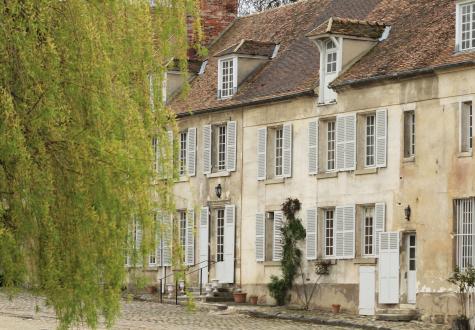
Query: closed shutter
point(381, 137)
point(260, 236)
point(340, 142)
point(287, 151)
point(261, 153)
point(190, 238)
point(207, 149)
point(204, 232)
point(229, 243)
point(138, 236)
point(345, 232)
point(389, 268)
point(313, 147)
point(277, 246)
point(350, 142)
point(231, 146)
point(191, 151)
point(379, 224)
point(311, 241)
point(167, 241)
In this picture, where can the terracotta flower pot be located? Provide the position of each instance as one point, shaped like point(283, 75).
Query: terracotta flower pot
point(336, 308)
point(239, 297)
point(253, 300)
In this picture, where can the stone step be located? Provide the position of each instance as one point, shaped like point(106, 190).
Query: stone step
point(398, 311)
point(396, 317)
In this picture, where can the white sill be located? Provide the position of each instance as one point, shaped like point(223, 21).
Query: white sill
point(218, 174)
point(364, 171)
point(411, 159)
point(465, 154)
point(183, 179)
point(365, 260)
point(274, 181)
point(327, 175)
point(321, 104)
point(272, 263)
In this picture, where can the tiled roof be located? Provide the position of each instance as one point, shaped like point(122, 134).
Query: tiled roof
point(422, 37)
point(349, 27)
point(249, 47)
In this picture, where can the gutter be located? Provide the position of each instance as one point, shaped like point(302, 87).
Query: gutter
point(250, 103)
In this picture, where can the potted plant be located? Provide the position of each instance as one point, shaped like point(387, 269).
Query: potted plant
point(253, 300)
point(239, 296)
point(464, 280)
point(336, 308)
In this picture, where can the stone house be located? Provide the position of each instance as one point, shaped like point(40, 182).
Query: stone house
point(360, 109)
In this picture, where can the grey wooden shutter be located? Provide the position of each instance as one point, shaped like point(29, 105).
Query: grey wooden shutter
point(313, 147)
point(207, 149)
point(277, 244)
point(344, 232)
point(169, 168)
point(231, 146)
point(190, 238)
point(167, 240)
point(381, 137)
point(350, 142)
point(191, 151)
point(204, 237)
point(260, 236)
point(138, 236)
point(340, 142)
point(261, 153)
point(311, 239)
point(158, 220)
point(287, 151)
point(379, 224)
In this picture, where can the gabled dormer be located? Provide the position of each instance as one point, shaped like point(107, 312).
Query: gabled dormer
point(341, 42)
point(175, 77)
point(237, 62)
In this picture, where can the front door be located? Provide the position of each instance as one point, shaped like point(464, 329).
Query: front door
point(225, 239)
point(367, 290)
point(411, 269)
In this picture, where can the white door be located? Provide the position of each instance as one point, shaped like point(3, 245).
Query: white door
point(219, 234)
point(411, 269)
point(225, 232)
point(367, 290)
point(203, 239)
point(389, 268)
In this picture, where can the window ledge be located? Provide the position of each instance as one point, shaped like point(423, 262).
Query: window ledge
point(411, 159)
point(274, 181)
point(365, 261)
point(363, 171)
point(465, 154)
point(322, 104)
point(272, 263)
point(183, 179)
point(327, 175)
point(218, 174)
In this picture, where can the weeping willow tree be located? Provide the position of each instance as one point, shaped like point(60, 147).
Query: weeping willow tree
point(80, 103)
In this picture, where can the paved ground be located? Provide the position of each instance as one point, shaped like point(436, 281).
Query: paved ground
point(20, 314)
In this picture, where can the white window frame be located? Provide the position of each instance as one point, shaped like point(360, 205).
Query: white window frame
point(325, 237)
point(182, 223)
point(221, 140)
point(469, 133)
point(411, 126)
point(183, 152)
point(220, 215)
point(459, 28)
point(332, 63)
point(229, 91)
point(368, 210)
point(279, 152)
point(464, 212)
point(327, 148)
point(370, 140)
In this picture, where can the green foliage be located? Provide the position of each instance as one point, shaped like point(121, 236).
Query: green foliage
point(464, 280)
point(75, 143)
point(292, 232)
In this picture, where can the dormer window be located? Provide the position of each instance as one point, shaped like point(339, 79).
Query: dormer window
point(466, 25)
point(331, 56)
point(227, 77)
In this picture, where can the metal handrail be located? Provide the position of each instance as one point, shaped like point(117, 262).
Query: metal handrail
point(212, 262)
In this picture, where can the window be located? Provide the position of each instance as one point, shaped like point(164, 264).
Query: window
point(465, 233)
point(368, 231)
point(155, 152)
point(279, 141)
point(466, 25)
point(328, 217)
point(331, 57)
point(152, 259)
point(220, 235)
point(182, 232)
point(466, 123)
point(227, 78)
point(183, 140)
point(409, 134)
point(331, 138)
point(370, 141)
point(221, 147)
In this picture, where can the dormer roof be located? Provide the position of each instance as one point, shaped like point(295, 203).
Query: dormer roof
point(348, 27)
point(194, 66)
point(249, 48)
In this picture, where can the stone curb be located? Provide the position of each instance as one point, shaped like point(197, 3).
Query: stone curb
point(310, 319)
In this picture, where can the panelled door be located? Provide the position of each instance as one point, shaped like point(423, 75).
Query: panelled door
point(367, 290)
point(225, 243)
point(411, 269)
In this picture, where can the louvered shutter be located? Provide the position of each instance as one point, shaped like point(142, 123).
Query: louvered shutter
point(379, 224)
point(151, 91)
point(340, 142)
point(191, 151)
point(231, 132)
point(287, 151)
point(207, 149)
point(190, 238)
point(261, 153)
point(389, 268)
point(158, 219)
point(381, 137)
point(169, 168)
point(311, 239)
point(229, 243)
point(167, 240)
point(204, 232)
point(277, 246)
point(350, 142)
point(313, 147)
point(260, 236)
point(138, 236)
point(344, 232)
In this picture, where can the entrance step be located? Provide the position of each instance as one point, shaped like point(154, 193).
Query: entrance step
point(401, 314)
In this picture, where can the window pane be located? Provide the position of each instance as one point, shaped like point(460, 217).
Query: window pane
point(368, 232)
point(328, 234)
point(464, 211)
point(183, 136)
point(220, 235)
point(227, 78)
point(370, 140)
point(221, 147)
point(279, 142)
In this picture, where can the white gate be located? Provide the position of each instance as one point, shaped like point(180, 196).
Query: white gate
point(367, 290)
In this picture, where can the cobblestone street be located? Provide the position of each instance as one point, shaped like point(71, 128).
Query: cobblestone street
point(20, 314)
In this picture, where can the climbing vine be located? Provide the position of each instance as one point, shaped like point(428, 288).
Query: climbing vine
point(292, 233)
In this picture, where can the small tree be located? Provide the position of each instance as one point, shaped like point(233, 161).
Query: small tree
point(464, 280)
point(292, 232)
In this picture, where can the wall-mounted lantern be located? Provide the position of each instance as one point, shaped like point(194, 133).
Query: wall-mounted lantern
point(218, 190)
point(407, 213)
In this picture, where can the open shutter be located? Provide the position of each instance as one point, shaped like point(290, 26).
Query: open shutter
point(345, 232)
point(190, 238)
point(287, 151)
point(138, 236)
point(167, 241)
point(207, 149)
point(313, 147)
point(204, 232)
point(350, 142)
point(261, 153)
point(379, 224)
point(191, 151)
point(260, 236)
point(389, 268)
point(311, 241)
point(231, 146)
point(170, 168)
point(277, 246)
point(381, 137)
point(229, 243)
point(158, 219)
point(340, 142)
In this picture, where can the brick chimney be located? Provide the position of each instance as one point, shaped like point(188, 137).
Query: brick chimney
point(216, 15)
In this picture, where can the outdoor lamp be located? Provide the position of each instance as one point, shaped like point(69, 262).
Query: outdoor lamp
point(407, 213)
point(218, 190)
